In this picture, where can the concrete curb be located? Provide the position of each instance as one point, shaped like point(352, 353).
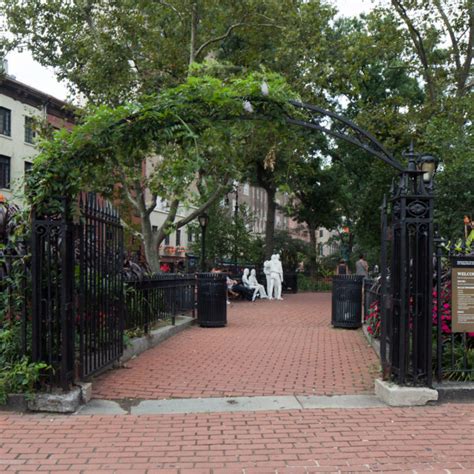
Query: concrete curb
point(228, 404)
point(142, 344)
point(455, 391)
point(400, 396)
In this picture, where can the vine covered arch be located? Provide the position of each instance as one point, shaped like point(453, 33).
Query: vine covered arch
point(71, 161)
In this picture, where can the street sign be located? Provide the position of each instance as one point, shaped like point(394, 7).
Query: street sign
point(463, 294)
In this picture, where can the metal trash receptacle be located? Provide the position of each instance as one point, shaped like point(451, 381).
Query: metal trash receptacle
point(347, 301)
point(290, 282)
point(211, 300)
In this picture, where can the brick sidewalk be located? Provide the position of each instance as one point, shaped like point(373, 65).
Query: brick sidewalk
point(423, 439)
point(268, 348)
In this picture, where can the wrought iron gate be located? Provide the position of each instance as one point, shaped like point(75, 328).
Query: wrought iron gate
point(100, 289)
point(77, 290)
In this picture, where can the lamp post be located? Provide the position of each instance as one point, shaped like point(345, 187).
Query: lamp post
point(203, 222)
point(411, 273)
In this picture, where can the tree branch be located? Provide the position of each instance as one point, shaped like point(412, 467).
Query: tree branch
point(152, 205)
point(228, 33)
point(133, 231)
point(215, 195)
point(469, 51)
point(175, 10)
point(169, 220)
point(454, 42)
point(419, 47)
point(128, 193)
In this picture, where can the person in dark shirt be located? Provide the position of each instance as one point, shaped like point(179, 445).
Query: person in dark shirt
point(342, 268)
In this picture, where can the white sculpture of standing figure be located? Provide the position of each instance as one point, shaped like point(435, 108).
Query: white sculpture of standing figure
point(280, 272)
point(254, 284)
point(276, 277)
point(266, 270)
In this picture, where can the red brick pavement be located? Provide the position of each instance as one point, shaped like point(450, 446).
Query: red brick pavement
point(418, 439)
point(267, 348)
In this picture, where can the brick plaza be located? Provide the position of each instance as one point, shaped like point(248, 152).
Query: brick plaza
point(268, 348)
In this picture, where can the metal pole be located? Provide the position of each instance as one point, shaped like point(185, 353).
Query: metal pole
point(203, 248)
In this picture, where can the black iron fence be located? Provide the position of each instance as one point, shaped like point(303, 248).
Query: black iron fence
point(371, 295)
point(53, 299)
point(99, 289)
point(15, 297)
point(152, 299)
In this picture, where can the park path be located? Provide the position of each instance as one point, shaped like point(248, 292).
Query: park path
point(268, 348)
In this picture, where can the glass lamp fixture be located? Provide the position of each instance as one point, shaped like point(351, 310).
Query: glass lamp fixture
point(428, 165)
point(203, 220)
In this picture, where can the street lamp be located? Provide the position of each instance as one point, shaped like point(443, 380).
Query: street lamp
point(203, 222)
point(428, 165)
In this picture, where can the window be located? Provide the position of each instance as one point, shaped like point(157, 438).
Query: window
point(154, 228)
point(5, 121)
point(30, 133)
point(190, 235)
point(28, 166)
point(167, 240)
point(321, 233)
point(178, 238)
point(4, 172)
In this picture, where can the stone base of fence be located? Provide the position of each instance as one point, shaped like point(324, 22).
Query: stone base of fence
point(155, 337)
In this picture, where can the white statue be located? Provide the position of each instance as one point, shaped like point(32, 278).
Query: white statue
point(276, 277)
point(266, 270)
point(254, 284)
point(245, 278)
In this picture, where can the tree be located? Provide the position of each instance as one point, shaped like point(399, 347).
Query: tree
point(144, 45)
point(315, 199)
point(110, 147)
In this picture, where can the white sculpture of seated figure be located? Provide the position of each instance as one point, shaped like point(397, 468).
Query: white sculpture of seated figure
point(276, 277)
point(259, 289)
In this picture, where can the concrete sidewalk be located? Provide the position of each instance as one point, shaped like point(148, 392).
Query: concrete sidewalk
point(288, 394)
point(267, 348)
point(430, 439)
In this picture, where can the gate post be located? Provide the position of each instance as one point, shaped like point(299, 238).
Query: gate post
point(52, 263)
point(412, 276)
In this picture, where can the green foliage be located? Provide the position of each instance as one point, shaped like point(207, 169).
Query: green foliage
point(228, 238)
point(292, 251)
point(20, 377)
point(308, 283)
point(111, 141)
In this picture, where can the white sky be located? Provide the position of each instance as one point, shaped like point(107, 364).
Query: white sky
point(28, 71)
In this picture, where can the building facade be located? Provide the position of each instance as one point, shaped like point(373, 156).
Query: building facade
point(21, 108)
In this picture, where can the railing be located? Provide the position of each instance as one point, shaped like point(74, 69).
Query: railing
point(15, 294)
point(157, 298)
point(371, 294)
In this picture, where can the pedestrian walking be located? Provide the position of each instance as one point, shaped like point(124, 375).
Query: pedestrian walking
point(362, 267)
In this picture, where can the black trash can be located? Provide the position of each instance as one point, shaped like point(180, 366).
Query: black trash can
point(212, 300)
point(290, 282)
point(347, 301)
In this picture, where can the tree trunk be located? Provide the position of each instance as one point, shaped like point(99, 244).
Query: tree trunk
point(270, 224)
point(194, 23)
point(150, 244)
point(312, 254)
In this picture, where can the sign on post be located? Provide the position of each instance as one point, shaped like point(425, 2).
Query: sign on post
point(463, 294)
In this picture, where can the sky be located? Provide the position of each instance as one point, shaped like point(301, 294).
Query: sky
point(26, 70)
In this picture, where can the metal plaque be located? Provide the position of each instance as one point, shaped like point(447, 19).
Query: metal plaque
point(463, 294)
